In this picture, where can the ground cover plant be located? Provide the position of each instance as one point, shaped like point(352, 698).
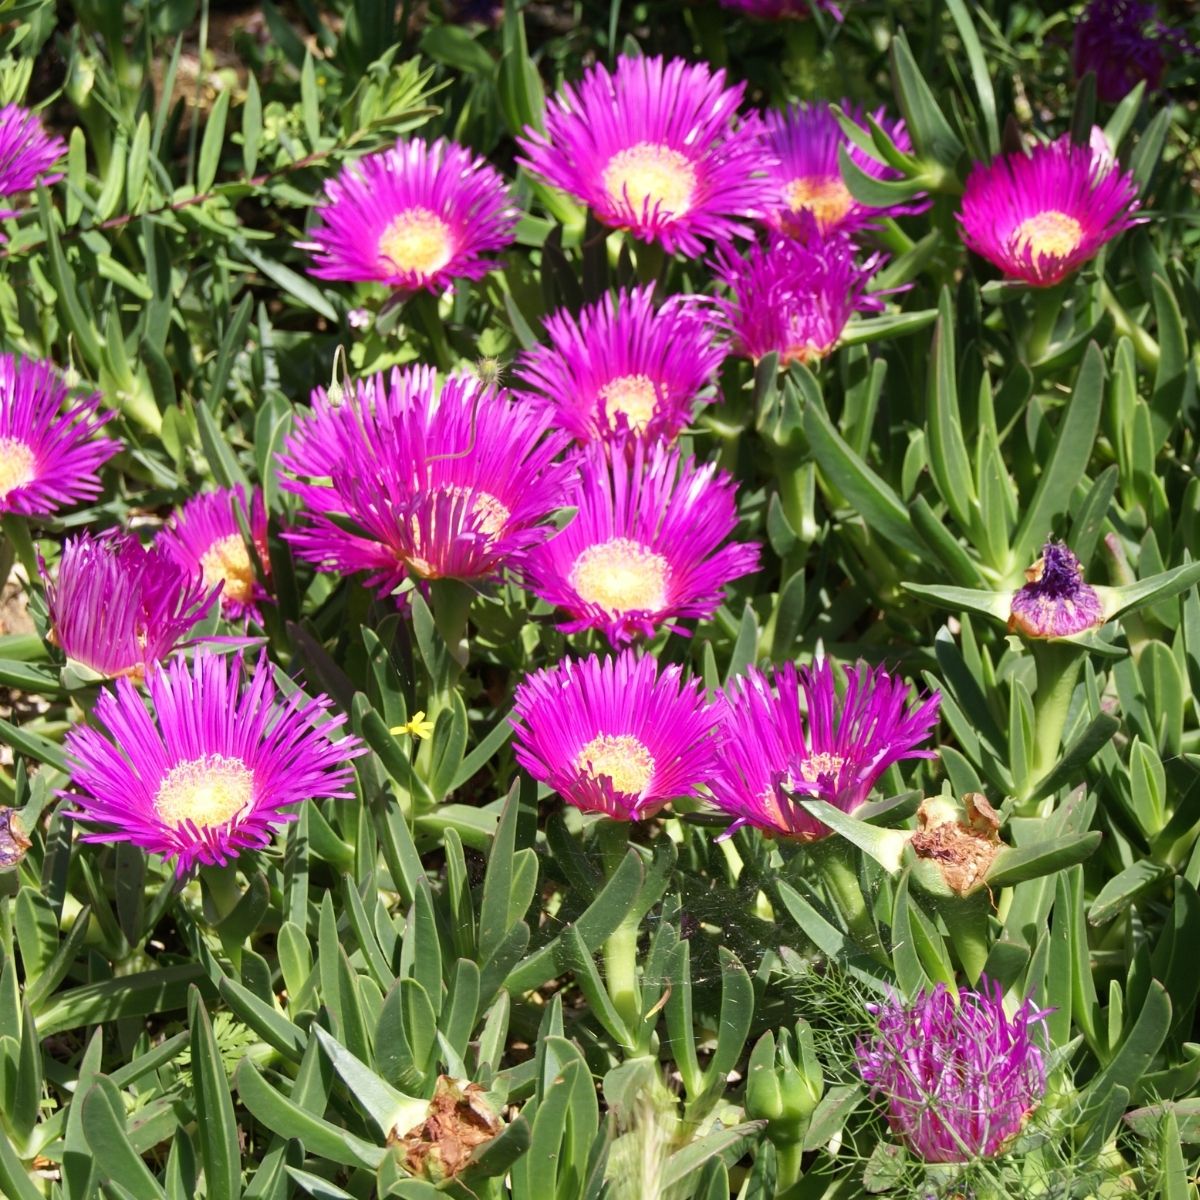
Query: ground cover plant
point(600, 600)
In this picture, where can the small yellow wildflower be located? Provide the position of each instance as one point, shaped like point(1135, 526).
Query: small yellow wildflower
point(417, 726)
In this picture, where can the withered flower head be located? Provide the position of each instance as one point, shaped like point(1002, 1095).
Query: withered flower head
point(962, 846)
point(1055, 602)
point(13, 842)
point(459, 1120)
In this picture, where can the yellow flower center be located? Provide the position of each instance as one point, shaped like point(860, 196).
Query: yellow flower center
point(621, 576)
point(653, 177)
point(825, 196)
point(1050, 232)
point(17, 465)
point(804, 352)
point(208, 792)
point(816, 766)
point(634, 395)
point(492, 518)
point(417, 242)
point(622, 758)
point(228, 561)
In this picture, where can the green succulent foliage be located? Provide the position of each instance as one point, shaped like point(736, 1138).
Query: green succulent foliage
point(287, 1026)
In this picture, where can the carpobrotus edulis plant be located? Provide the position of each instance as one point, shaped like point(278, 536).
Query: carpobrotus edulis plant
point(644, 548)
point(625, 365)
point(465, 479)
point(28, 154)
point(416, 217)
point(791, 734)
point(50, 449)
point(806, 138)
point(205, 536)
point(957, 1075)
point(1055, 601)
point(223, 761)
point(656, 147)
point(615, 736)
point(118, 608)
point(1039, 216)
point(793, 296)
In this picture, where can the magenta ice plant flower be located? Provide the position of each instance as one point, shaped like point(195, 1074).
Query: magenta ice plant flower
point(50, 454)
point(791, 735)
point(118, 608)
point(958, 1078)
point(1054, 601)
point(205, 537)
point(417, 216)
point(656, 147)
point(808, 179)
point(625, 365)
point(645, 547)
point(28, 154)
point(1039, 216)
point(615, 736)
point(461, 482)
point(348, 424)
point(794, 296)
point(222, 762)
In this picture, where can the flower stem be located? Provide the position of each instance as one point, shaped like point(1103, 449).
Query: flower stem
point(834, 858)
point(966, 920)
point(450, 601)
point(20, 544)
point(1144, 346)
point(425, 308)
point(221, 889)
point(1047, 305)
point(651, 261)
point(620, 950)
point(1058, 666)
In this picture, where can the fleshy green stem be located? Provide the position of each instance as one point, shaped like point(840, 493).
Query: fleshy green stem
point(651, 261)
point(1144, 346)
point(221, 889)
point(1047, 305)
point(966, 920)
point(620, 950)
point(834, 858)
point(425, 307)
point(1058, 666)
point(450, 602)
point(17, 535)
point(796, 485)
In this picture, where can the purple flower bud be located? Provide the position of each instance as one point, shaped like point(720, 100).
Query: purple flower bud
point(1055, 602)
point(958, 1079)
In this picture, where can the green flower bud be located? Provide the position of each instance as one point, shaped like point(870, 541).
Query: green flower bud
point(782, 1086)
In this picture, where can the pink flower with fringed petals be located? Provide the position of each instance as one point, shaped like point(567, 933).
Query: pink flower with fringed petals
point(656, 147)
point(791, 734)
point(625, 367)
point(416, 217)
point(645, 547)
point(1039, 216)
point(616, 735)
point(222, 762)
